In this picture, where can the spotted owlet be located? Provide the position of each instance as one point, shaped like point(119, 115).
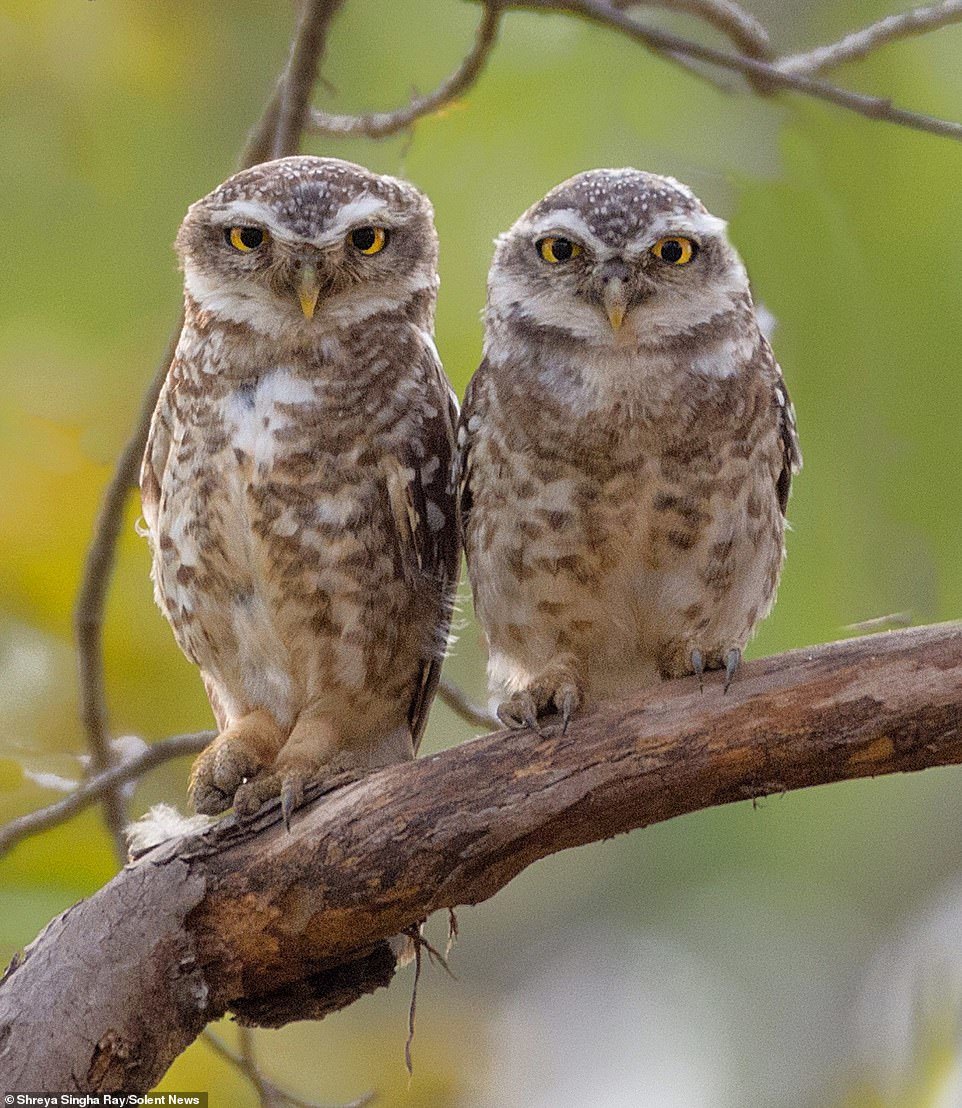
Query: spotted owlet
point(296, 483)
point(625, 449)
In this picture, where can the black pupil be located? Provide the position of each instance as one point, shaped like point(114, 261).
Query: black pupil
point(671, 251)
point(562, 249)
point(364, 238)
point(251, 237)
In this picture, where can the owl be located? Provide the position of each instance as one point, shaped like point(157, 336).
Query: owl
point(296, 482)
point(625, 449)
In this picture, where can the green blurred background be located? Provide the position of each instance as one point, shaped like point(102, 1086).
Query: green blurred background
point(804, 951)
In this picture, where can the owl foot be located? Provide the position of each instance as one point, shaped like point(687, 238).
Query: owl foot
point(238, 754)
point(312, 752)
point(732, 661)
point(553, 692)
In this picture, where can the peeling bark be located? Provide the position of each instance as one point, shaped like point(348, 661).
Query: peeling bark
point(278, 926)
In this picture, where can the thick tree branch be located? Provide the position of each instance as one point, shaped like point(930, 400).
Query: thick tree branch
point(297, 82)
point(279, 925)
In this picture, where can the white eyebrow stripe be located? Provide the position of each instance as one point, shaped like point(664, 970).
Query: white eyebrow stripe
point(570, 222)
point(696, 225)
point(365, 209)
point(240, 213)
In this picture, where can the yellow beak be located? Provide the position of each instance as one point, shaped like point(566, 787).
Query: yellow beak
point(308, 290)
point(615, 302)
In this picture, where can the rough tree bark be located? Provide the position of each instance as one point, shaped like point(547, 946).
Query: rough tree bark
point(278, 926)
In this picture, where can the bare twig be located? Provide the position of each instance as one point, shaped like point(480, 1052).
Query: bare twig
point(858, 44)
point(739, 25)
point(413, 1008)
point(293, 924)
point(92, 599)
point(103, 784)
point(870, 107)
point(381, 124)
point(270, 1095)
point(458, 701)
point(297, 83)
point(880, 623)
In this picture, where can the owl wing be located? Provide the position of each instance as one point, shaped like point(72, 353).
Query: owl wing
point(425, 514)
point(154, 463)
point(788, 434)
point(469, 418)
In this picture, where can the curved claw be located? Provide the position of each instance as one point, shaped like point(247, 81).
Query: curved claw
point(732, 661)
point(569, 702)
point(503, 712)
point(519, 712)
point(698, 665)
point(292, 796)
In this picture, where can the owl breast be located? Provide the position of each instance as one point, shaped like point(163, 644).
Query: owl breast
point(626, 554)
point(277, 563)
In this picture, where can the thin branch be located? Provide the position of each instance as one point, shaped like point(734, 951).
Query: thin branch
point(260, 141)
point(268, 1093)
point(870, 107)
point(95, 788)
point(92, 600)
point(381, 124)
point(297, 84)
point(858, 44)
point(460, 703)
point(741, 28)
point(280, 925)
point(739, 25)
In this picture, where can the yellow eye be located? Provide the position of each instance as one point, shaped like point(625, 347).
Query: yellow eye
point(556, 250)
point(675, 251)
point(246, 239)
point(369, 240)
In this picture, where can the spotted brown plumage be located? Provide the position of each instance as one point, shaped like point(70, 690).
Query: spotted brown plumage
point(295, 483)
point(625, 449)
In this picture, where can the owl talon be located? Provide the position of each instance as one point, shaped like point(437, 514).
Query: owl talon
point(292, 797)
point(234, 758)
point(545, 697)
point(698, 665)
point(568, 699)
point(519, 712)
point(732, 661)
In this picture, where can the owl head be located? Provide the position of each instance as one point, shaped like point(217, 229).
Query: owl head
point(305, 244)
point(615, 257)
